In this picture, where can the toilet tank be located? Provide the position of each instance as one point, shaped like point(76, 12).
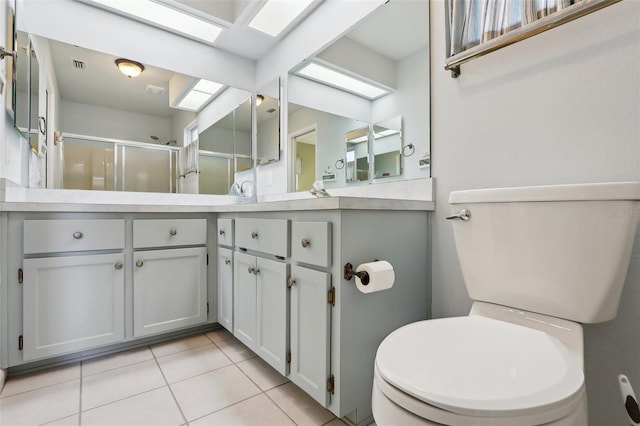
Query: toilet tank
point(559, 250)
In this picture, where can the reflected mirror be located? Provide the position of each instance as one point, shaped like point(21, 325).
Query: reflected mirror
point(24, 78)
point(225, 150)
point(387, 50)
point(268, 122)
point(357, 159)
point(387, 148)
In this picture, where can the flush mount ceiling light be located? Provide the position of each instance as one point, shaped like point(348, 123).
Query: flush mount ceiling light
point(341, 80)
point(276, 15)
point(129, 68)
point(259, 99)
point(163, 16)
point(199, 95)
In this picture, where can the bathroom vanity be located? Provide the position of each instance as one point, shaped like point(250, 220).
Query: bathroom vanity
point(82, 279)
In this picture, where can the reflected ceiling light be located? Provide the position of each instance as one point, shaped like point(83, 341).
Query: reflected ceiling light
point(199, 95)
point(341, 80)
point(129, 68)
point(276, 15)
point(164, 16)
point(259, 99)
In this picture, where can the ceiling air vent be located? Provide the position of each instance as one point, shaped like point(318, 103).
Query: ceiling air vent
point(78, 64)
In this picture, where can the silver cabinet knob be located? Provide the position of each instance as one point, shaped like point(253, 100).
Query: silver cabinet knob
point(291, 282)
point(139, 263)
point(306, 243)
point(256, 271)
point(221, 232)
point(118, 265)
point(250, 270)
point(173, 232)
point(77, 235)
point(254, 235)
point(227, 261)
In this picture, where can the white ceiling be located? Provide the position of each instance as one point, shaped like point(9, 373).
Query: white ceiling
point(102, 84)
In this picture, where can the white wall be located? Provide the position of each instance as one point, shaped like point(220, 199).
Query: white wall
point(93, 120)
point(561, 107)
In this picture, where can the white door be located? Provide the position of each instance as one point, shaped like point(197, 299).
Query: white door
point(245, 299)
point(169, 289)
point(225, 288)
point(272, 333)
point(310, 332)
point(72, 303)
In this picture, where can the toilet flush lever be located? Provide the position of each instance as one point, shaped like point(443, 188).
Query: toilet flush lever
point(464, 215)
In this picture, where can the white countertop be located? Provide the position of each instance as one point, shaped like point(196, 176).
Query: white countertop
point(400, 195)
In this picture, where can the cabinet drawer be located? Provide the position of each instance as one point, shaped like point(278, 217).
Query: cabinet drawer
point(49, 236)
point(225, 232)
point(311, 243)
point(264, 235)
point(169, 232)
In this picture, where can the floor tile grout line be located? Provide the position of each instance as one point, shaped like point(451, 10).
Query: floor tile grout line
point(278, 405)
point(123, 398)
point(115, 368)
point(184, 417)
point(227, 406)
point(39, 388)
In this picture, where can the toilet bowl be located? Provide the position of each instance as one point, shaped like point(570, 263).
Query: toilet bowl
point(534, 261)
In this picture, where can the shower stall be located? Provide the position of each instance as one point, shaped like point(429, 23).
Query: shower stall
point(96, 163)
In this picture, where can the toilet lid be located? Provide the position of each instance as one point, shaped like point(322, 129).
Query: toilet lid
point(479, 366)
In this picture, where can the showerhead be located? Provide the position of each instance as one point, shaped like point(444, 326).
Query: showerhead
point(157, 139)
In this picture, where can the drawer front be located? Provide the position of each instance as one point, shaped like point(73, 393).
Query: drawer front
point(58, 235)
point(169, 232)
point(225, 232)
point(311, 243)
point(264, 235)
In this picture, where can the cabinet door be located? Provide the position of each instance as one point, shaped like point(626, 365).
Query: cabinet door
point(272, 312)
point(169, 289)
point(72, 303)
point(310, 332)
point(225, 288)
point(245, 299)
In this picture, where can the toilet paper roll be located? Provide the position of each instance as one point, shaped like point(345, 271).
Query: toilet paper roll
point(381, 276)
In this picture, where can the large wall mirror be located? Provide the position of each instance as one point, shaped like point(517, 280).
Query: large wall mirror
point(358, 110)
point(119, 133)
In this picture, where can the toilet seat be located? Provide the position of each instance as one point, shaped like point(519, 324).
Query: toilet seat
point(477, 367)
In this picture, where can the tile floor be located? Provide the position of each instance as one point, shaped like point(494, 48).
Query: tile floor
point(207, 379)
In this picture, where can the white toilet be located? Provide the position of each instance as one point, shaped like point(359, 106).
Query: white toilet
point(538, 261)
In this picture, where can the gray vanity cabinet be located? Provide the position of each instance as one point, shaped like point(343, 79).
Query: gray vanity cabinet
point(73, 295)
point(331, 329)
point(170, 282)
point(310, 331)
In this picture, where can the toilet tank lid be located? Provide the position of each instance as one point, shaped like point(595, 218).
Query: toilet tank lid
point(569, 192)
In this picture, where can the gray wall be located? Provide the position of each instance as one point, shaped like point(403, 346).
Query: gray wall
point(561, 107)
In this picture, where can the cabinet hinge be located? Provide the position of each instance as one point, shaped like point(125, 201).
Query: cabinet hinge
point(207, 308)
point(289, 357)
point(331, 297)
point(207, 258)
point(20, 276)
point(20, 342)
point(331, 384)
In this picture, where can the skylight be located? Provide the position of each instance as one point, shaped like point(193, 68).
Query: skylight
point(199, 95)
point(276, 15)
point(340, 80)
point(165, 17)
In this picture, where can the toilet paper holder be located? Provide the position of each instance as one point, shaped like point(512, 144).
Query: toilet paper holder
point(349, 272)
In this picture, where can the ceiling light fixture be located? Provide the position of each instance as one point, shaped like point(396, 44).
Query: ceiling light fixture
point(166, 17)
point(200, 94)
point(259, 100)
point(341, 80)
point(129, 68)
point(276, 15)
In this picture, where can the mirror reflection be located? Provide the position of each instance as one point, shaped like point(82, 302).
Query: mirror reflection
point(391, 105)
point(225, 150)
point(128, 133)
point(387, 148)
point(268, 122)
point(357, 160)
